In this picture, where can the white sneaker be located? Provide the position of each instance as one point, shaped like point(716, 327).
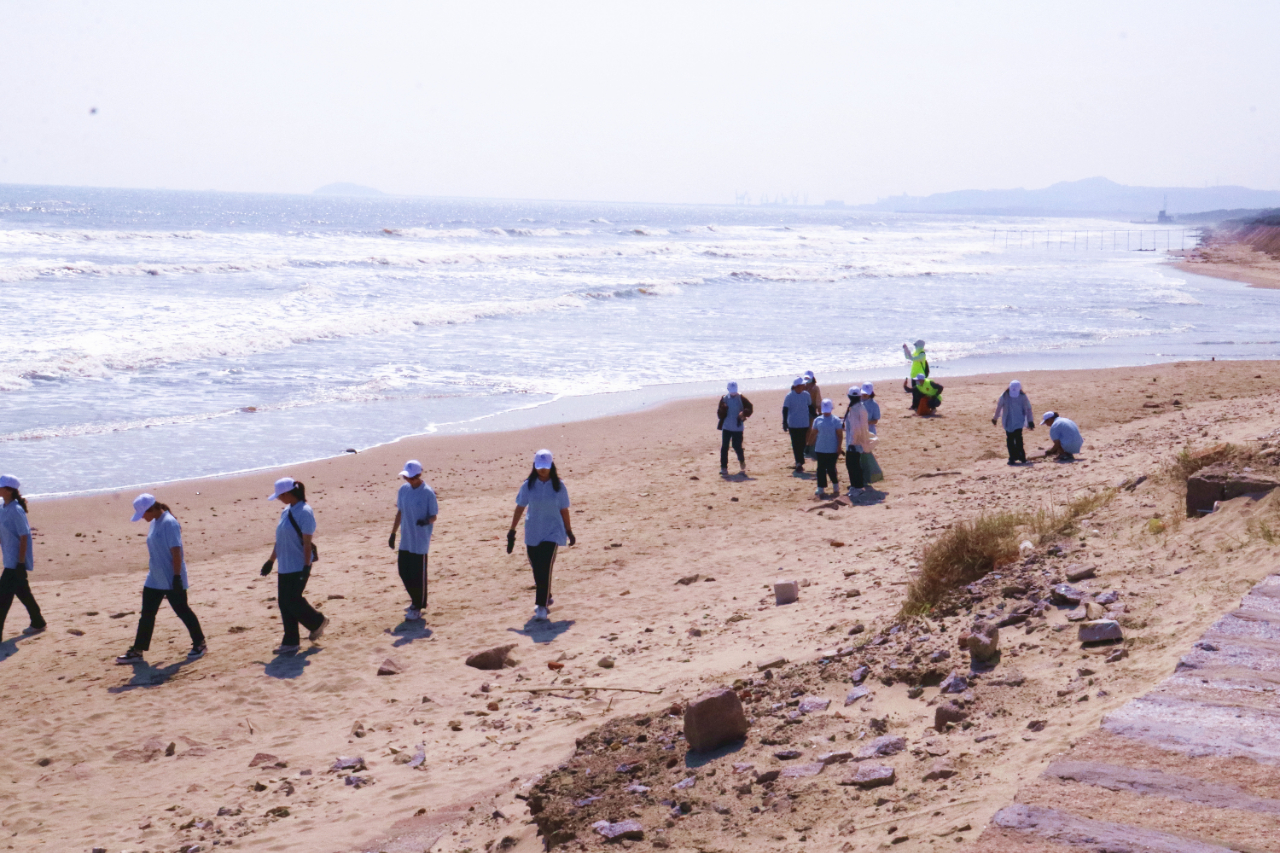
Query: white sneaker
point(540, 613)
point(412, 615)
point(285, 650)
point(819, 494)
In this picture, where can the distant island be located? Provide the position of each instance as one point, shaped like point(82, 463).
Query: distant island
point(347, 189)
point(1088, 197)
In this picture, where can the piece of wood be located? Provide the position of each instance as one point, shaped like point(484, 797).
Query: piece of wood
point(584, 687)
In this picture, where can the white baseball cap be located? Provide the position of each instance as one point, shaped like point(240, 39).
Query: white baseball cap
point(826, 407)
point(919, 344)
point(141, 504)
point(920, 376)
point(799, 380)
point(732, 387)
point(868, 388)
point(8, 481)
point(542, 459)
point(412, 468)
point(1047, 415)
point(854, 390)
point(809, 374)
point(284, 484)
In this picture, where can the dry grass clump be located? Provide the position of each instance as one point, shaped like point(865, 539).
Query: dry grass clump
point(967, 551)
point(1187, 461)
point(1056, 522)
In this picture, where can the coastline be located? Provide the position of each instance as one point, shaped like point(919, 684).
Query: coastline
point(1233, 261)
point(649, 510)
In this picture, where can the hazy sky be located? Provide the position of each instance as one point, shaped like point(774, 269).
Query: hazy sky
point(650, 101)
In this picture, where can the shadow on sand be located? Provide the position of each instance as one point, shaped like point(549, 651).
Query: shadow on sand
point(148, 675)
point(408, 631)
point(288, 666)
point(543, 632)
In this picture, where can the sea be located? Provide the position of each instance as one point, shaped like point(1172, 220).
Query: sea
point(153, 335)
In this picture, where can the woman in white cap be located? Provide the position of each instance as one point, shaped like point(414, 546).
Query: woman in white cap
point(296, 554)
point(1013, 412)
point(815, 399)
point(166, 578)
point(858, 437)
point(15, 545)
point(797, 416)
point(416, 511)
point(826, 435)
point(733, 411)
point(871, 472)
point(547, 526)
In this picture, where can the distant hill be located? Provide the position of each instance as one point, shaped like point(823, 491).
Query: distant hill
point(347, 189)
point(1089, 197)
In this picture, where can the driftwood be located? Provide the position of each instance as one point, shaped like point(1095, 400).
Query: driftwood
point(584, 687)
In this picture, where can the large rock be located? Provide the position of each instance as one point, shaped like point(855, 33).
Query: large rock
point(630, 830)
point(872, 776)
point(1222, 482)
point(983, 642)
point(948, 712)
point(786, 592)
point(713, 719)
point(1100, 630)
point(495, 658)
point(881, 747)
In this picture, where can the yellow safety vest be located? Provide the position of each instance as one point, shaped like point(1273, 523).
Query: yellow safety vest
point(926, 387)
point(919, 364)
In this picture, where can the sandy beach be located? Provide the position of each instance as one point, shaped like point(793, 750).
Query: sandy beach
point(236, 749)
point(1234, 261)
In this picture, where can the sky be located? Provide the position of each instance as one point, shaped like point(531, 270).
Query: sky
point(689, 102)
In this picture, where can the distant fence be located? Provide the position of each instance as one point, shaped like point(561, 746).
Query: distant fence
point(1150, 240)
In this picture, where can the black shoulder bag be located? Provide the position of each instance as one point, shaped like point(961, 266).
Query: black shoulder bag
point(315, 553)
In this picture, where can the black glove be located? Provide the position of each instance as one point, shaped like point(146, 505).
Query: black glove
point(511, 541)
point(573, 540)
point(267, 566)
point(22, 567)
point(422, 522)
point(391, 542)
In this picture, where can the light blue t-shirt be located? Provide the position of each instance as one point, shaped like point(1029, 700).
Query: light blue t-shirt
point(165, 534)
point(542, 521)
point(731, 422)
point(797, 405)
point(827, 441)
point(415, 504)
point(13, 526)
point(873, 413)
point(288, 542)
point(1067, 434)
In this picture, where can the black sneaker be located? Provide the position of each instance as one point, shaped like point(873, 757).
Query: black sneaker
point(131, 656)
point(197, 651)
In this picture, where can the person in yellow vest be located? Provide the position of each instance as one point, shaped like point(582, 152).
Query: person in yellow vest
point(919, 364)
point(930, 394)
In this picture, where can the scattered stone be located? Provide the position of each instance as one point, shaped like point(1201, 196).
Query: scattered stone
point(170, 749)
point(915, 692)
point(939, 656)
point(1075, 574)
point(1026, 548)
point(859, 674)
point(688, 579)
point(555, 665)
point(940, 769)
point(948, 712)
point(855, 694)
point(786, 592)
point(872, 776)
point(358, 729)
point(983, 642)
point(772, 664)
point(1010, 678)
point(354, 764)
point(1109, 597)
point(1037, 725)
point(857, 629)
point(768, 776)
point(953, 683)
point(353, 781)
point(389, 667)
point(803, 771)
point(1066, 594)
point(1100, 630)
point(695, 632)
point(75, 632)
point(262, 758)
point(606, 662)
point(1078, 615)
point(278, 811)
point(881, 747)
point(787, 754)
point(637, 788)
point(713, 719)
point(835, 757)
point(1094, 611)
point(495, 658)
point(1117, 655)
point(630, 830)
point(685, 784)
point(813, 705)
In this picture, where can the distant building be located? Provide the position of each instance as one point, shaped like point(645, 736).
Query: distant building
point(833, 202)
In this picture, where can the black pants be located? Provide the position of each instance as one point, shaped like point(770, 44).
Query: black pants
point(293, 607)
point(827, 469)
point(413, 572)
point(542, 558)
point(853, 464)
point(727, 436)
point(14, 584)
point(798, 437)
point(151, 599)
point(1013, 441)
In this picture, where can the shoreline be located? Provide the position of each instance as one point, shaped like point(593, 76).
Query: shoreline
point(1233, 261)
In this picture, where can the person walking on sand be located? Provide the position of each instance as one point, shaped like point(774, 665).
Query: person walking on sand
point(919, 364)
point(546, 528)
point(815, 398)
point(296, 553)
point(871, 472)
point(416, 511)
point(826, 435)
point(1013, 411)
point(166, 578)
point(1067, 440)
point(796, 419)
point(15, 546)
point(858, 437)
point(733, 411)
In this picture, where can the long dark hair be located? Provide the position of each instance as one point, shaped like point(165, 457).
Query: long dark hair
point(555, 478)
point(852, 402)
point(17, 496)
point(163, 509)
point(299, 491)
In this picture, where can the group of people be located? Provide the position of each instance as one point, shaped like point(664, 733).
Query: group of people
point(542, 501)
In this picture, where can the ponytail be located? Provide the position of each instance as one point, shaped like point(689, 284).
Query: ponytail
point(163, 508)
point(22, 502)
point(299, 491)
point(555, 478)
